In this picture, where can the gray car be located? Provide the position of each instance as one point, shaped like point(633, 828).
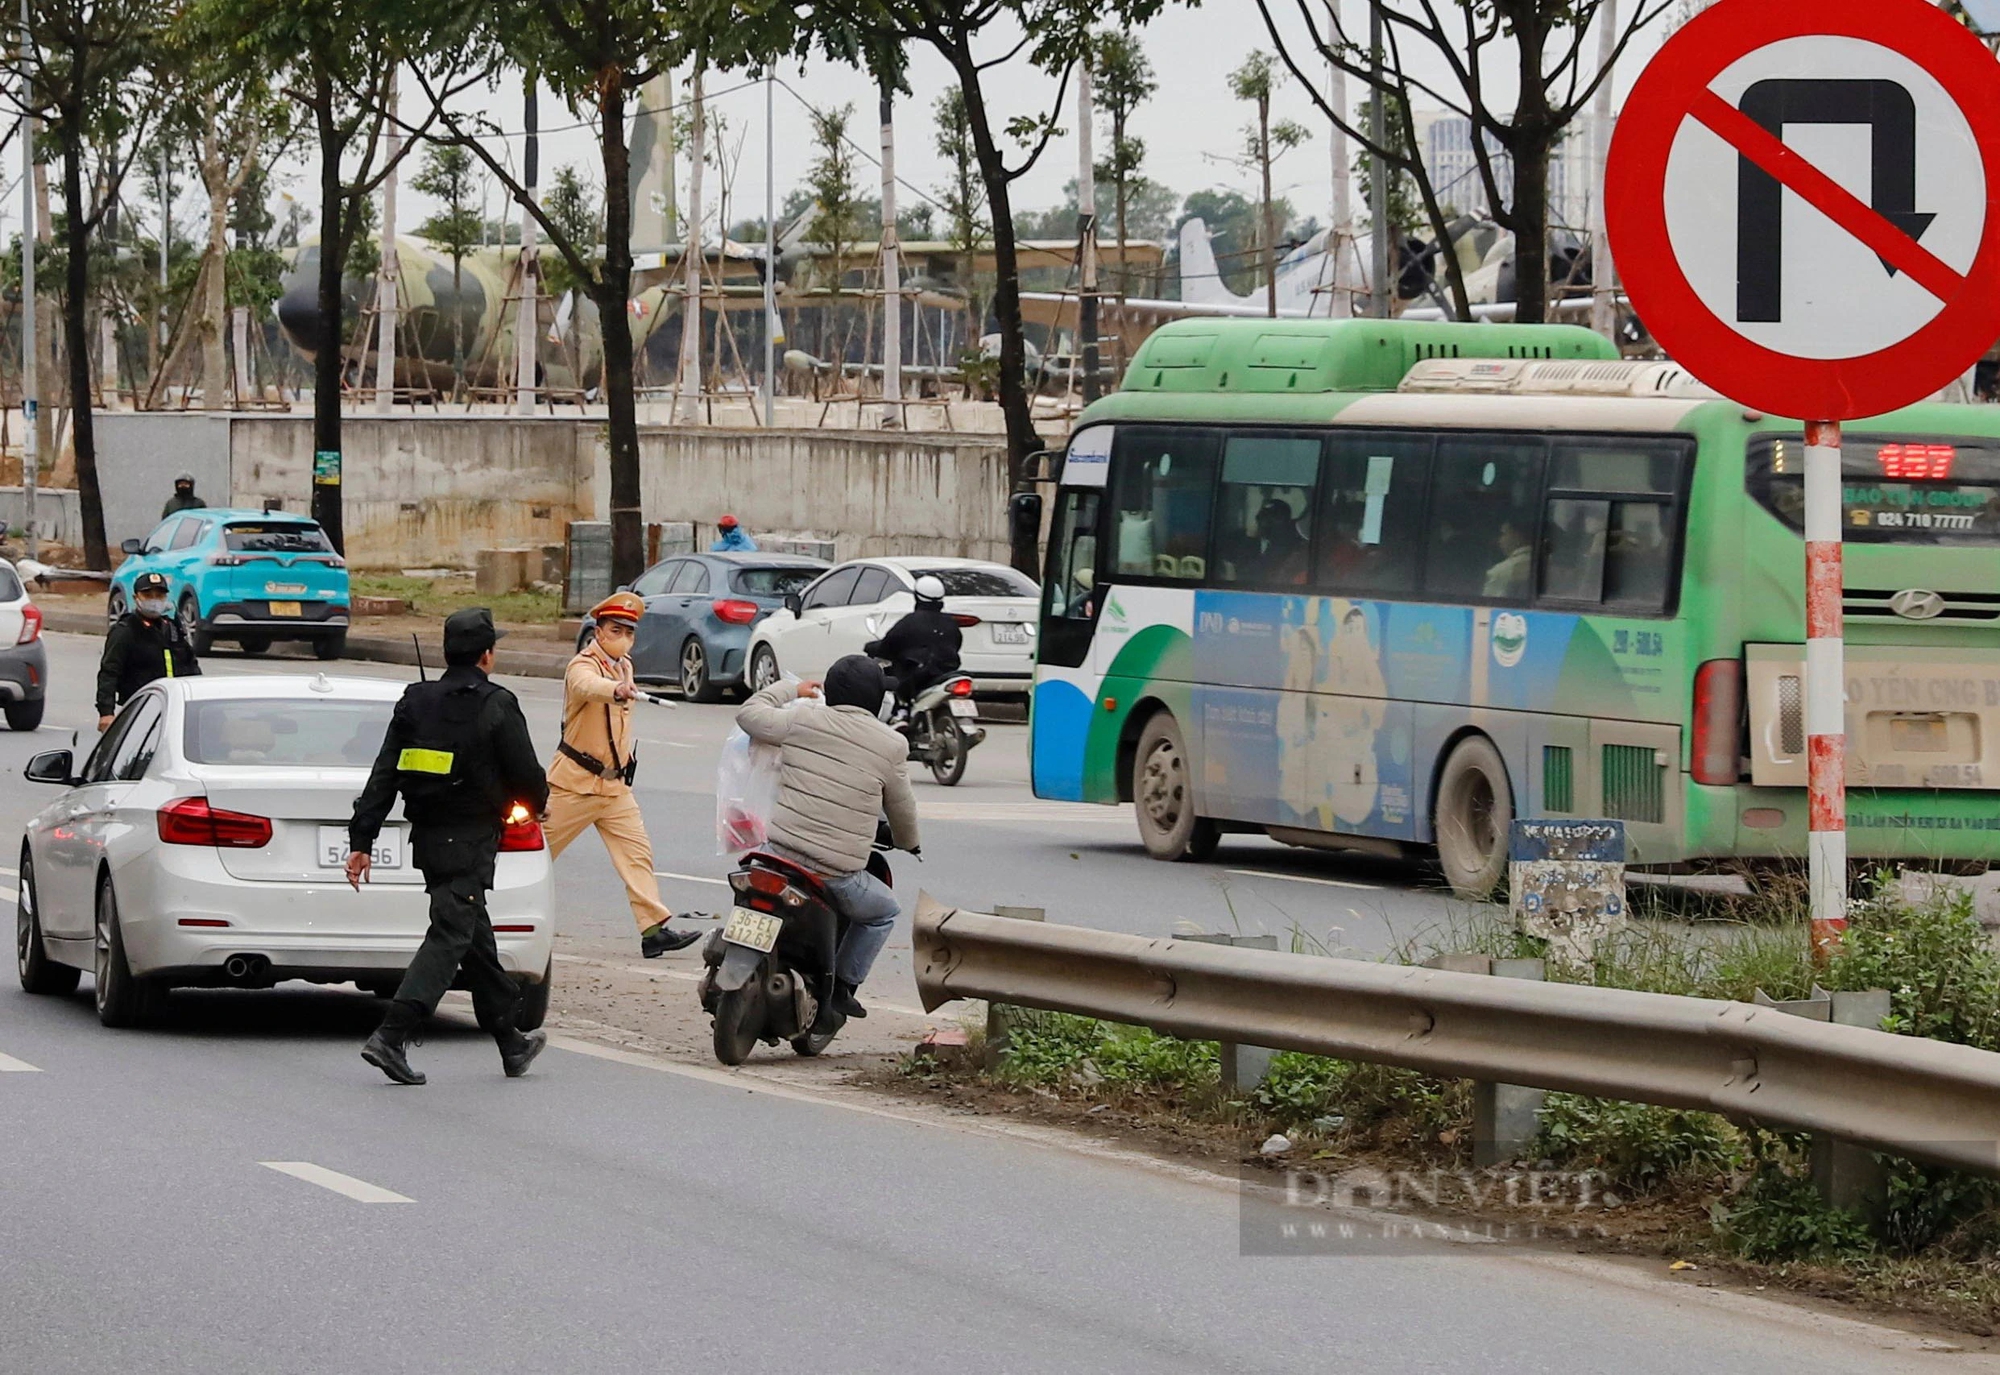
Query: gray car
point(24, 662)
point(700, 610)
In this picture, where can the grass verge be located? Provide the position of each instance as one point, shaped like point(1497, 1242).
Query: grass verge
point(1689, 1185)
point(442, 596)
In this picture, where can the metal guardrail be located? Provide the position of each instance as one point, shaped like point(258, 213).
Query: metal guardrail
point(1927, 1100)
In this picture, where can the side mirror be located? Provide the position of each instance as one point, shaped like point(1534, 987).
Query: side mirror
point(132, 546)
point(795, 603)
point(52, 766)
point(1024, 519)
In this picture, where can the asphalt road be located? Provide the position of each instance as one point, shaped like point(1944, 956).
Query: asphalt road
point(235, 1191)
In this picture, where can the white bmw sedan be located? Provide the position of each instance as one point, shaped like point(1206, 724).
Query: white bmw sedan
point(203, 842)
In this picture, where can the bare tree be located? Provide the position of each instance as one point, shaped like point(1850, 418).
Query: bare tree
point(1542, 40)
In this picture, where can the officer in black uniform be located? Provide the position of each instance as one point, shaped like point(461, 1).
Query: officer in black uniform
point(458, 751)
point(143, 644)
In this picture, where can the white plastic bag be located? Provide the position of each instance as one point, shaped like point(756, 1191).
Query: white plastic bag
point(746, 789)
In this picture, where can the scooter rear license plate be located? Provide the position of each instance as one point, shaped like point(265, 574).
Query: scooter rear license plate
point(757, 930)
point(964, 707)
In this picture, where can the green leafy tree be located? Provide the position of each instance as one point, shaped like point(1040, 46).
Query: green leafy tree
point(572, 206)
point(1121, 81)
point(336, 61)
point(595, 55)
point(85, 63)
point(837, 204)
point(446, 176)
point(1054, 35)
point(1263, 144)
point(962, 193)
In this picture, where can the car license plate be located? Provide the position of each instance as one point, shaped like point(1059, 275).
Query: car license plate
point(758, 930)
point(1919, 734)
point(286, 608)
point(283, 587)
point(1008, 633)
point(963, 706)
point(387, 852)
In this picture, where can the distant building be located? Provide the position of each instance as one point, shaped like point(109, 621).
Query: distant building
point(1446, 141)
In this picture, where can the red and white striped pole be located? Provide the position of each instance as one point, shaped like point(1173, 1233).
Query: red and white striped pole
point(1826, 690)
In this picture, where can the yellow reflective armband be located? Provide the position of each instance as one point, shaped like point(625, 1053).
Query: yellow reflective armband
point(424, 761)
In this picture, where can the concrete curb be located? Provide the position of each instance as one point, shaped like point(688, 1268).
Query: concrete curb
point(378, 649)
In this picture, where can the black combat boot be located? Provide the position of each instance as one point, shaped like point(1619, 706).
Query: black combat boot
point(844, 999)
point(518, 1049)
point(384, 1049)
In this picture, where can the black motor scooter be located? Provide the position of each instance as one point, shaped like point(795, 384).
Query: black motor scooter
point(771, 965)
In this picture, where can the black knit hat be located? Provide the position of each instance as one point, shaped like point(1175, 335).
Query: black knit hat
point(856, 681)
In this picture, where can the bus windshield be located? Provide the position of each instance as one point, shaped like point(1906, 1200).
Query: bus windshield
point(1894, 490)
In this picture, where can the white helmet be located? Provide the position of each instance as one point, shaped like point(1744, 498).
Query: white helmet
point(930, 589)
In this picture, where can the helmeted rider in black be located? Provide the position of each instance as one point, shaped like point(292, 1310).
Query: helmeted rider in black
point(922, 648)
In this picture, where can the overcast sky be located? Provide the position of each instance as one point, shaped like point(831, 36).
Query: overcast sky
point(1189, 127)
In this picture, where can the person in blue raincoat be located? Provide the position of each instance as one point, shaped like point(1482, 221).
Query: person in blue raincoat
point(734, 539)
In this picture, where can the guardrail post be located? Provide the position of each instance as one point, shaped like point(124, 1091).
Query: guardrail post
point(1505, 1117)
point(1000, 1016)
point(1243, 1067)
point(1848, 1177)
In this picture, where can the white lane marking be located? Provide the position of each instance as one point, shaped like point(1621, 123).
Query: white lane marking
point(9, 1065)
point(9, 895)
point(360, 1190)
point(10, 873)
point(691, 878)
point(680, 976)
point(1301, 878)
point(670, 744)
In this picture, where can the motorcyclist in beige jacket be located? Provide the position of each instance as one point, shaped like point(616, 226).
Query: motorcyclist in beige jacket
point(840, 769)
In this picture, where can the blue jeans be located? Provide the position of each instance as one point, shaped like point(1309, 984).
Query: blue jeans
point(871, 909)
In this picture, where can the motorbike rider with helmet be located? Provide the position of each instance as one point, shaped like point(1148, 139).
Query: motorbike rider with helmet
point(922, 648)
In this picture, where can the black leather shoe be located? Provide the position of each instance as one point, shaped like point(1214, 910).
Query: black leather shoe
point(385, 1052)
point(844, 999)
point(519, 1050)
point(830, 1019)
point(663, 938)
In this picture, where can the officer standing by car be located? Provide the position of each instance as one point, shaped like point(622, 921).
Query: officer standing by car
point(458, 751)
point(183, 498)
point(144, 644)
point(590, 779)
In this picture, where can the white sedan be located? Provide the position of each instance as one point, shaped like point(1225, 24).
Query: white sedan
point(857, 602)
point(203, 842)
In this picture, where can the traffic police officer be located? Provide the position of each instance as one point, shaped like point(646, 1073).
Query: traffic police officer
point(590, 779)
point(458, 751)
point(143, 644)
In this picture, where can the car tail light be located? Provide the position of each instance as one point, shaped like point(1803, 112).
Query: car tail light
point(191, 821)
point(521, 831)
point(518, 928)
point(31, 624)
point(1718, 715)
point(733, 611)
point(964, 620)
point(960, 687)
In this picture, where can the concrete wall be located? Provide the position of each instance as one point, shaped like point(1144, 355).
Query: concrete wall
point(428, 493)
point(870, 493)
point(138, 454)
point(58, 511)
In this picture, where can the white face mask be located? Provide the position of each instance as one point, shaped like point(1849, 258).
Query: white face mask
point(153, 606)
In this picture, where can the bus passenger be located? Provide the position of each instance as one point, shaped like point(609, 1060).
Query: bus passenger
point(1510, 578)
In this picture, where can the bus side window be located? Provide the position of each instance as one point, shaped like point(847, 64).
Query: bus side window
point(1372, 515)
point(1263, 519)
point(1070, 593)
point(1163, 484)
point(1483, 518)
point(1609, 536)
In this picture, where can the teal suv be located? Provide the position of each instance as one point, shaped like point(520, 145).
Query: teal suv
point(252, 577)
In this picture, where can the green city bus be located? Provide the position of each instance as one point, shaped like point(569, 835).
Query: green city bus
point(1389, 586)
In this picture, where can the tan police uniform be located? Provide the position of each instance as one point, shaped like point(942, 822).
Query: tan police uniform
point(599, 727)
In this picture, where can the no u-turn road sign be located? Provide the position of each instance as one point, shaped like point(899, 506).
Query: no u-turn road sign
point(1800, 200)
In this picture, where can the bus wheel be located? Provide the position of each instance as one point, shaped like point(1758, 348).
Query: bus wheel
point(1474, 810)
point(1164, 801)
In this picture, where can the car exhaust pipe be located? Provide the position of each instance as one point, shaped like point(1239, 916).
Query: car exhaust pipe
point(246, 968)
